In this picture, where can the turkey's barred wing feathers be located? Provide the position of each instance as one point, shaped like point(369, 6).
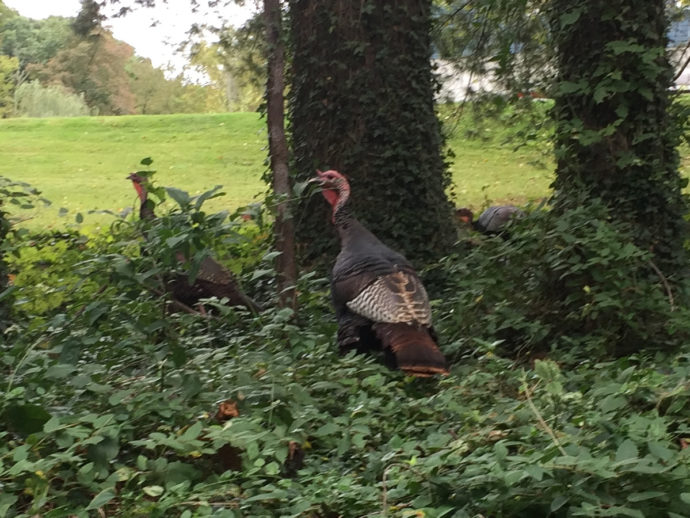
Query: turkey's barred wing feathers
point(398, 297)
point(212, 271)
point(415, 351)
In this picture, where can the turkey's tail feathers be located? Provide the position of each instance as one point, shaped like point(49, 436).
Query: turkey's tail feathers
point(415, 351)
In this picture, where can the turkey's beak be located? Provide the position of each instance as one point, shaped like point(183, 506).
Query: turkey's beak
point(319, 179)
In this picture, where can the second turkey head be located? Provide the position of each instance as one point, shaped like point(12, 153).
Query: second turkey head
point(146, 205)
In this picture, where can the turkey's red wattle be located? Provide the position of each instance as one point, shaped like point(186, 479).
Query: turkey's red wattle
point(140, 191)
point(331, 196)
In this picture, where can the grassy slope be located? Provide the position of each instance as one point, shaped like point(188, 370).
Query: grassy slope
point(81, 163)
point(487, 172)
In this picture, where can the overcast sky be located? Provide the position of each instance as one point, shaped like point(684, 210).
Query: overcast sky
point(156, 43)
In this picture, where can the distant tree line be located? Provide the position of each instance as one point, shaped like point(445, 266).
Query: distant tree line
point(74, 66)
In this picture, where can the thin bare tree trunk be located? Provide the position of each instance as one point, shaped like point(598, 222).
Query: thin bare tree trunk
point(284, 229)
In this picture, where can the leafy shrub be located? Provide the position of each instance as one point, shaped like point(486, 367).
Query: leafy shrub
point(111, 406)
point(13, 195)
point(573, 281)
point(35, 100)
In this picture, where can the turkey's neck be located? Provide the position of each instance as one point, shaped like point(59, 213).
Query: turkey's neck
point(350, 230)
point(141, 192)
point(145, 211)
point(341, 210)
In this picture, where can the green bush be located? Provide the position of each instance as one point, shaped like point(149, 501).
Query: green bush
point(109, 397)
point(572, 282)
point(13, 196)
point(33, 99)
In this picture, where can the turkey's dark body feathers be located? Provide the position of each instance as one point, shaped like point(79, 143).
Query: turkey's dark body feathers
point(494, 219)
point(213, 280)
point(380, 303)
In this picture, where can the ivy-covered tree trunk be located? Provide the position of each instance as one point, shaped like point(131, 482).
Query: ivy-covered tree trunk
point(361, 102)
point(4, 301)
point(615, 137)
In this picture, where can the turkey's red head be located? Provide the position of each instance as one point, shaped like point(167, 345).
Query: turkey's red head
point(464, 216)
point(334, 187)
point(146, 207)
point(139, 183)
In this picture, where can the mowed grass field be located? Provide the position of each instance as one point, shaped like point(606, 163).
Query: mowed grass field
point(81, 163)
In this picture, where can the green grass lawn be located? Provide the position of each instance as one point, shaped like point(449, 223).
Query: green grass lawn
point(81, 163)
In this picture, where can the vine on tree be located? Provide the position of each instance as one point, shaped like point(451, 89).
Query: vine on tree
point(615, 134)
point(362, 102)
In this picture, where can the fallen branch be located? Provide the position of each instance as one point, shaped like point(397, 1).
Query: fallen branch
point(665, 283)
point(539, 417)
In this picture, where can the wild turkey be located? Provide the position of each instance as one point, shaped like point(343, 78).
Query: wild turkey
point(492, 221)
point(380, 303)
point(213, 279)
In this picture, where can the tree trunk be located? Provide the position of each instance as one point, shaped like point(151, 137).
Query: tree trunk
point(362, 102)
point(615, 138)
point(284, 230)
point(5, 301)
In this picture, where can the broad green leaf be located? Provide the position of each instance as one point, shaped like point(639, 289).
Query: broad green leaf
point(273, 495)
point(142, 462)
point(192, 432)
point(660, 451)
point(179, 472)
point(261, 273)
point(51, 425)
point(644, 495)
point(500, 450)
point(600, 93)
point(6, 502)
point(101, 499)
point(154, 491)
point(513, 477)
point(569, 87)
point(558, 502)
point(327, 429)
point(208, 195)
point(60, 371)
point(626, 451)
point(611, 403)
point(172, 242)
point(570, 18)
point(272, 468)
point(534, 471)
point(181, 197)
